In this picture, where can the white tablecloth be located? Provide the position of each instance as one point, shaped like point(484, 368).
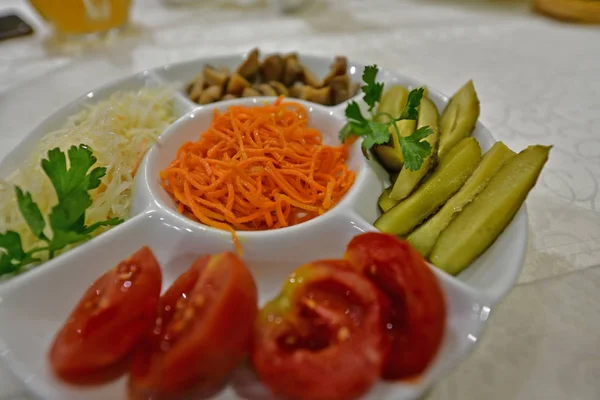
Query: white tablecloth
point(538, 80)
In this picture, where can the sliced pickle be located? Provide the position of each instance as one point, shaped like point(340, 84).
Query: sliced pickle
point(406, 127)
point(389, 157)
point(459, 118)
point(424, 237)
point(385, 203)
point(482, 221)
point(392, 102)
point(408, 179)
point(448, 178)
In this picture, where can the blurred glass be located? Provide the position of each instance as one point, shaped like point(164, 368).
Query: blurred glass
point(79, 17)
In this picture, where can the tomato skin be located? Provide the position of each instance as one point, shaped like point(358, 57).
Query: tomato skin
point(201, 334)
point(323, 337)
point(113, 314)
point(418, 315)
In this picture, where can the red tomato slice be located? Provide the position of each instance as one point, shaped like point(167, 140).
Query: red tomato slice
point(202, 332)
point(324, 336)
point(113, 314)
point(418, 313)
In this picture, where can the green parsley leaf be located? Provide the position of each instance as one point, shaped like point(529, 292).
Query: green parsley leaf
point(357, 124)
point(72, 184)
point(108, 222)
point(31, 213)
point(13, 257)
point(68, 181)
point(415, 149)
point(67, 215)
point(410, 109)
point(374, 131)
point(380, 134)
point(372, 90)
point(353, 112)
point(345, 132)
point(67, 218)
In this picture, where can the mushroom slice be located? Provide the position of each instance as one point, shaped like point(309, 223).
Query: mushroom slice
point(195, 92)
point(266, 90)
point(195, 87)
point(249, 67)
point(279, 88)
point(224, 69)
point(250, 92)
point(237, 84)
point(272, 68)
point(309, 78)
point(289, 56)
point(210, 94)
point(339, 89)
point(321, 96)
point(214, 77)
point(339, 66)
point(297, 90)
point(194, 81)
point(292, 72)
point(308, 93)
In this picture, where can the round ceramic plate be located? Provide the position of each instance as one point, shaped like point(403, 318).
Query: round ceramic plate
point(35, 304)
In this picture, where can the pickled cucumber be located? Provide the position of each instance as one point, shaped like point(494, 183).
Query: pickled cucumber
point(459, 118)
point(450, 175)
point(482, 221)
point(392, 102)
point(408, 179)
point(406, 127)
point(385, 203)
point(390, 158)
point(425, 236)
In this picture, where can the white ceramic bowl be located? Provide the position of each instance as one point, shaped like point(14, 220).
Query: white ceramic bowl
point(35, 304)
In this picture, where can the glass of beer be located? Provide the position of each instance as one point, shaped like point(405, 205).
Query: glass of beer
point(82, 17)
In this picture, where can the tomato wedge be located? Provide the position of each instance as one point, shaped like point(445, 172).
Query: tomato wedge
point(202, 331)
point(324, 336)
point(418, 314)
point(111, 317)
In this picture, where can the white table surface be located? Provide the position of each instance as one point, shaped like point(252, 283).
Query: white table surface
point(538, 80)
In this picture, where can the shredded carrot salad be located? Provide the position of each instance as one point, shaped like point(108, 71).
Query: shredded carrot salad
point(258, 168)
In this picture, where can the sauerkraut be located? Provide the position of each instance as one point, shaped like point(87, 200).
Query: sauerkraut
point(119, 130)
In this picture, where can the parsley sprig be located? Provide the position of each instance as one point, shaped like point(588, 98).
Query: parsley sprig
point(414, 148)
point(67, 217)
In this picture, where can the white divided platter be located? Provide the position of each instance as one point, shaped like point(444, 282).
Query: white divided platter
point(35, 304)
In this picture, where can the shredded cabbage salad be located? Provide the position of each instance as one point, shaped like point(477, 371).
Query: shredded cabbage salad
point(119, 130)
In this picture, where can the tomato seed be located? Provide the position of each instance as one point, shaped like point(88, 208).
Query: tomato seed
point(188, 314)
point(199, 301)
point(181, 303)
point(343, 334)
point(310, 303)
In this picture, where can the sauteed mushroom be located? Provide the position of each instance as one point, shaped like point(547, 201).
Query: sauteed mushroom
point(237, 84)
point(210, 95)
point(249, 68)
point(272, 68)
point(276, 75)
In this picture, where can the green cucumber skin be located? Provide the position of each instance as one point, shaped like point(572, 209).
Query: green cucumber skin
point(486, 217)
